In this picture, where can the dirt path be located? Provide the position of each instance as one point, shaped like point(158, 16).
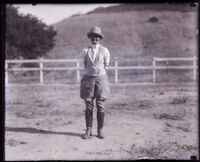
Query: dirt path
point(47, 124)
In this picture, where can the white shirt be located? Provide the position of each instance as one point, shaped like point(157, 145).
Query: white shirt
point(95, 49)
point(95, 59)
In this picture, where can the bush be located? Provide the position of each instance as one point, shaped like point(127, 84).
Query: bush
point(26, 36)
point(153, 19)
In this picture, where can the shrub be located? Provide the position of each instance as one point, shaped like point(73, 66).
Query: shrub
point(153, 19)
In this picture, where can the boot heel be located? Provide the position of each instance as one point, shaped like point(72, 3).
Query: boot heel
point(100, 134)
point(87, 134)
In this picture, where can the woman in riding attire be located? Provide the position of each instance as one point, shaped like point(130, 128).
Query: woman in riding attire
point(95, 84)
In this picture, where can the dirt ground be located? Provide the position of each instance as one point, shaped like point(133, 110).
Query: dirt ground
point(146, 121)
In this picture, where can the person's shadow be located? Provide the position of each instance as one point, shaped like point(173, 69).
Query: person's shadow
point(38, 131)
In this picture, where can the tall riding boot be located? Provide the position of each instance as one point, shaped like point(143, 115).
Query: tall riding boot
point(100, 122)
point(88, 119)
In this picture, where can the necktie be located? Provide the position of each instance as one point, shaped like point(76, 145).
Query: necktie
point(94, 53)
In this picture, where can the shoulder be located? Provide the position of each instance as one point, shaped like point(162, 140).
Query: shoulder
point(84, 51)
point(105, 49)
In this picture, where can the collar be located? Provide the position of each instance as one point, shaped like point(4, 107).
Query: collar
point(95, 46)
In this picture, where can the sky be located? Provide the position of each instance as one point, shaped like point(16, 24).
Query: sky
point(52, 13)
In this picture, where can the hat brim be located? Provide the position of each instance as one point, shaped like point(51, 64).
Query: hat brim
point(90, 34)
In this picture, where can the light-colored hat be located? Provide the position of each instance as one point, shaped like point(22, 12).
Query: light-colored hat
point(95, 30)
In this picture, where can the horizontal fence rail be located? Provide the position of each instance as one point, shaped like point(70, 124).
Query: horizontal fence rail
point(116, 67)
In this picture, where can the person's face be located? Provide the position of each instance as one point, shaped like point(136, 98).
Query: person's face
point(94, 39)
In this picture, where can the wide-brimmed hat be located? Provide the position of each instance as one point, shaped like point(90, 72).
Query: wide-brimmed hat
point(95, 31)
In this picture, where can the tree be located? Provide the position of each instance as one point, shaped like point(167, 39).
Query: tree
point(26, 36)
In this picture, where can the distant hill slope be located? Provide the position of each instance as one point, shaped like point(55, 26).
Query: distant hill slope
point(132, 31)
point(184, 7)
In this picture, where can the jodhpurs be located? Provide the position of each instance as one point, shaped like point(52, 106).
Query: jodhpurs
point(99, 104)
point(95, 87)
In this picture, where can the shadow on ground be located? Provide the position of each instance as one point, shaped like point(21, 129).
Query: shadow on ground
point(38, 131)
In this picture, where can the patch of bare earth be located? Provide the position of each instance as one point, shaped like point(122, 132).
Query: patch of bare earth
point(153, 122)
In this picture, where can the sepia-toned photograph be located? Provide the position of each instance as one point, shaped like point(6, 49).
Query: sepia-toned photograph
point(101, 81)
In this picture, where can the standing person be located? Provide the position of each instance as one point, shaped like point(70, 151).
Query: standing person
point(95, 84)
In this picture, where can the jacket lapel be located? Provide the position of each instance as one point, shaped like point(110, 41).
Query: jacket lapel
point(90, 55)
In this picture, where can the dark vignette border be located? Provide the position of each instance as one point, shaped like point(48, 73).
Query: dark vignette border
point(2, 108)
point(34, 2)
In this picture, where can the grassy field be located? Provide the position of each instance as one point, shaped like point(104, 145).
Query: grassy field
point(134, 32)
point(154, 122)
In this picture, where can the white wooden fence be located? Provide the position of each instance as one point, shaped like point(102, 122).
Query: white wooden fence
point(116, 66)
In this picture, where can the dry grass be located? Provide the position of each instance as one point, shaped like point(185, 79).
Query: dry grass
point(163, 150)
point(133, 35)
point(167, 116)
point(179, 100)
point(140, 122)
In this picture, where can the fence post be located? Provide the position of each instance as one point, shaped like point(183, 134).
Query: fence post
point(6, 74)
point(154, 70)
point(139, 71)
point(194, 68)
point(54, 73)
point(78, 71)
point(41, 70)
point(116, 70)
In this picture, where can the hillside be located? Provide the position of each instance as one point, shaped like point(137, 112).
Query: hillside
point(126, 7)
point(132, 31)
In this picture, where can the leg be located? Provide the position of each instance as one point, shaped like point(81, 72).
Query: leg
point(88, 118)
point(100, 117)
point(102, 91)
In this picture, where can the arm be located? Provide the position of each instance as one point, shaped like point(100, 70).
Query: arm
point(83, 58)
point(106, 58)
